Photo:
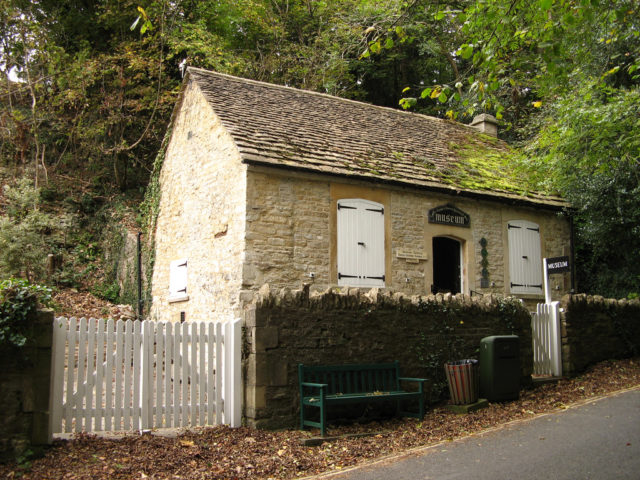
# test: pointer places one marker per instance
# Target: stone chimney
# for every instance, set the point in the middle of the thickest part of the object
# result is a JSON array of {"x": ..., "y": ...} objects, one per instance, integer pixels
[{"x": 486, "y": 124}]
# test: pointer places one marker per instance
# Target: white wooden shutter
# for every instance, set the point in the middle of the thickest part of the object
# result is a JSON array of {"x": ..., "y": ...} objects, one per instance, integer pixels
[
  {"x": 361, "y": 256},
  {"x": 525, "y": 258},
  {"x": 178, "y": 278}
]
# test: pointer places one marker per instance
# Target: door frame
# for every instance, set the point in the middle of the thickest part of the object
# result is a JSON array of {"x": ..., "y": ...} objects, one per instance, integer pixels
[
  {"x": 467, "y": 254},
  {"x": 461, "y": 282}
]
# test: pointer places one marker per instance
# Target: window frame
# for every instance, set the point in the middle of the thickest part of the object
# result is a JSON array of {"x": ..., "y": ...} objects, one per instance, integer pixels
[
  {"x": 178, "y": 280},
  {"x": 360, "y": 243},
  {"x": 524, "y": 241}
]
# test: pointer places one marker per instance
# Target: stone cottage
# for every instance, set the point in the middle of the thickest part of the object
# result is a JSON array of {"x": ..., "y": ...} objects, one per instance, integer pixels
[{"x": 265, "y": 184}]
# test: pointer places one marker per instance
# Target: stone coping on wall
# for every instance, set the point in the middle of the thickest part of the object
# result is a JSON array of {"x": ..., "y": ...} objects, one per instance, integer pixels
[
  {"x": 598, "y": 300},
  {"x": 351, "y": 296}
]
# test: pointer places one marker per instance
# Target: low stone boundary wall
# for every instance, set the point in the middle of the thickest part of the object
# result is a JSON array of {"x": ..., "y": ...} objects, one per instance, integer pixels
[
  {"x": 25, "y": 379},
  {"x": 338, "y": 326},
  {"x": 596, "y": 329}
]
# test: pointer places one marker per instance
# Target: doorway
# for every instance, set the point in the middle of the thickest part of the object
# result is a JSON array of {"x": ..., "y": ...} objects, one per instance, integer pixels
[{"x": 447, "y": 262}]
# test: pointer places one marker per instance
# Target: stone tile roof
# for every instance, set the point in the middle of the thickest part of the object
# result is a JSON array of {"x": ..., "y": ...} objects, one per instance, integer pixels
[{"x": 285, "y": 127}]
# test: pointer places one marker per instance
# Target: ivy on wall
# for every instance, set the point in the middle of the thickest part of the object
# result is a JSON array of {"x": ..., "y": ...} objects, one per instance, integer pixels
[
  {"x": 149, "y": 210},
  {"x": 484, "y": 281}
]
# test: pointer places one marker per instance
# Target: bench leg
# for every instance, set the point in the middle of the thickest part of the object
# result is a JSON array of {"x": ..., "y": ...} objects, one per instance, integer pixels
[
  {"x": 406, "y": 413},
  {"x": 322, "y": 423},
  {"x": 323, "y": 420}
]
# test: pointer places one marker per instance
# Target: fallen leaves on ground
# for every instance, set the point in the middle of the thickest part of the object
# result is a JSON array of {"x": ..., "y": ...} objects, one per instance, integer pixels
[
  {"x": 245, "y": 453},
  {"x": 72, "y": 303}
]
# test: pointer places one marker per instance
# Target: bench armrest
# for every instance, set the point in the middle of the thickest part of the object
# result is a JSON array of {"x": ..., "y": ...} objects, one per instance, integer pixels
[
  {"x": 314, "y": 385},
  {"x": 419, "y": 381},
  {"x": 409, "y": 379}
]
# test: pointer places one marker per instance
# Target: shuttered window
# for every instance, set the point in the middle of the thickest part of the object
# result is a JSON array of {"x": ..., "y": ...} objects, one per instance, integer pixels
[
  {"x": 178, "y": 278},
  {"x": 360, "y": 228},
  {"x": 525, "y": 258}
]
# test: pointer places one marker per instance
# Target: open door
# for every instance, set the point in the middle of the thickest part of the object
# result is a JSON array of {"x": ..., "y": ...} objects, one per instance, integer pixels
[{"x": 447, "y": 265}]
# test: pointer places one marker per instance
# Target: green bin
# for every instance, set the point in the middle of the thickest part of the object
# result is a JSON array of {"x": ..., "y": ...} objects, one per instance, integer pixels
[{"x": 500, "y": 368}]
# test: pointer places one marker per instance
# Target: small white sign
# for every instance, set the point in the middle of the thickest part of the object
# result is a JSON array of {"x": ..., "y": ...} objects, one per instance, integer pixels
[{"x": 411, "y": 256}]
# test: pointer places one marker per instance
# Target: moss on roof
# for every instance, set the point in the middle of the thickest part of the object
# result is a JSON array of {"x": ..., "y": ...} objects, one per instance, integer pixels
[{"x": 479, "y": 166}]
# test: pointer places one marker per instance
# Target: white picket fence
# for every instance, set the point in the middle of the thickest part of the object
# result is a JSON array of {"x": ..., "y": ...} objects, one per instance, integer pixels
[
  {"x": 547, "y": 341},
  {"x": 132, "y": 375}
]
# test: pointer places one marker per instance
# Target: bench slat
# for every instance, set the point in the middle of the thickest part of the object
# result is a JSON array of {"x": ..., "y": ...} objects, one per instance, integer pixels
[{"x": 346, "y": 398}]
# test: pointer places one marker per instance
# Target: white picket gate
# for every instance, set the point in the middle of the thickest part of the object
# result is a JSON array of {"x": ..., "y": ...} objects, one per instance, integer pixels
[
  {"x": 132, "y": 375},
  {"x": 547, "y": 341}
]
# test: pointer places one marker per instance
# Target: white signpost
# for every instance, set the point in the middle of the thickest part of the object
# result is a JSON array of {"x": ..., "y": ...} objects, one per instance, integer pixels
[
  {"x": 547, "y": 341},
  {"x": 551, "y": 266}
]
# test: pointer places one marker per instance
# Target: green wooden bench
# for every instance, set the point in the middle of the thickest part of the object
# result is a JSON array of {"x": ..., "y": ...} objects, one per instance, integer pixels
[{"x": 322, "y": 386}]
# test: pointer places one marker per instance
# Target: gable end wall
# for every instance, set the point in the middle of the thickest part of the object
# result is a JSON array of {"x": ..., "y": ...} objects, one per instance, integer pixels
[{"x": 202, "y": 216}]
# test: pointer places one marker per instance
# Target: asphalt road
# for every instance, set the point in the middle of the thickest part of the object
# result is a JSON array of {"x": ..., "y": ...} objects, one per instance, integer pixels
[{"x": 599, "y": 440}]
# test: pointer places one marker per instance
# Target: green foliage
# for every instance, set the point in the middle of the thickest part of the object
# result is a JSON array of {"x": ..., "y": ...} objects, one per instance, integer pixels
[
  {"x": 19, "y": 301},
  {"x": 26, "y": 233},
  {"x": 107, "y": 291},
  {"x": 532, "y": 50},
  {"x": 514, "y": 57},
  {"x": 149, "y": 210},
  {"x": 409, "y": 55},
  {"x": 90, "y": 90},
  {"x": 590, "y": 152},
  {"x": 110, "y": 245}
]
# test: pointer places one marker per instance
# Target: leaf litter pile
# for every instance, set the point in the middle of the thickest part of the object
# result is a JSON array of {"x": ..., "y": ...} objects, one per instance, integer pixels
[{"x": 245, "y": 453}]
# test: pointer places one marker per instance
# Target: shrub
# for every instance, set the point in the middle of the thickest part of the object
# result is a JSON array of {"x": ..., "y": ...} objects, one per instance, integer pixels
[{"x": 18, "y": 303}]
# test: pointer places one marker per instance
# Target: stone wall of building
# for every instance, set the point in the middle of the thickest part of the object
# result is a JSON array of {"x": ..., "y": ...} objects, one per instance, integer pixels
[
  {"x": 291, "y": 234},
  {"x": 25, "y": 379},
  {"x": 596, "y": 329},
  {"x": 285, "y": 328},
  {"x": 287, "y": 236},
  {"x": 202, "y": 216}
]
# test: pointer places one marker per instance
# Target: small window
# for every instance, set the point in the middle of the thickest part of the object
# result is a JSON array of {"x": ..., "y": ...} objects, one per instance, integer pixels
[
  {"x": 178, "y": 280},
  {"x": 361, "y": 254},
  {"x": 525, "y": 258}
]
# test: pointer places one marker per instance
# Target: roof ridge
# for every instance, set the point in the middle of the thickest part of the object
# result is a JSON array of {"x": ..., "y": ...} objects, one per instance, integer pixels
[{"x": 332, "y": 97}]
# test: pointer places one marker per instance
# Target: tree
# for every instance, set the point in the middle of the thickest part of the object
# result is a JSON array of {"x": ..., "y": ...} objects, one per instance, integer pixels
[
  {"x": 96, "y": 86},
  {"x": 590, "y": 151},
  {"x": 92, "y": 104},
  {"x": 513, "y": 56}
]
